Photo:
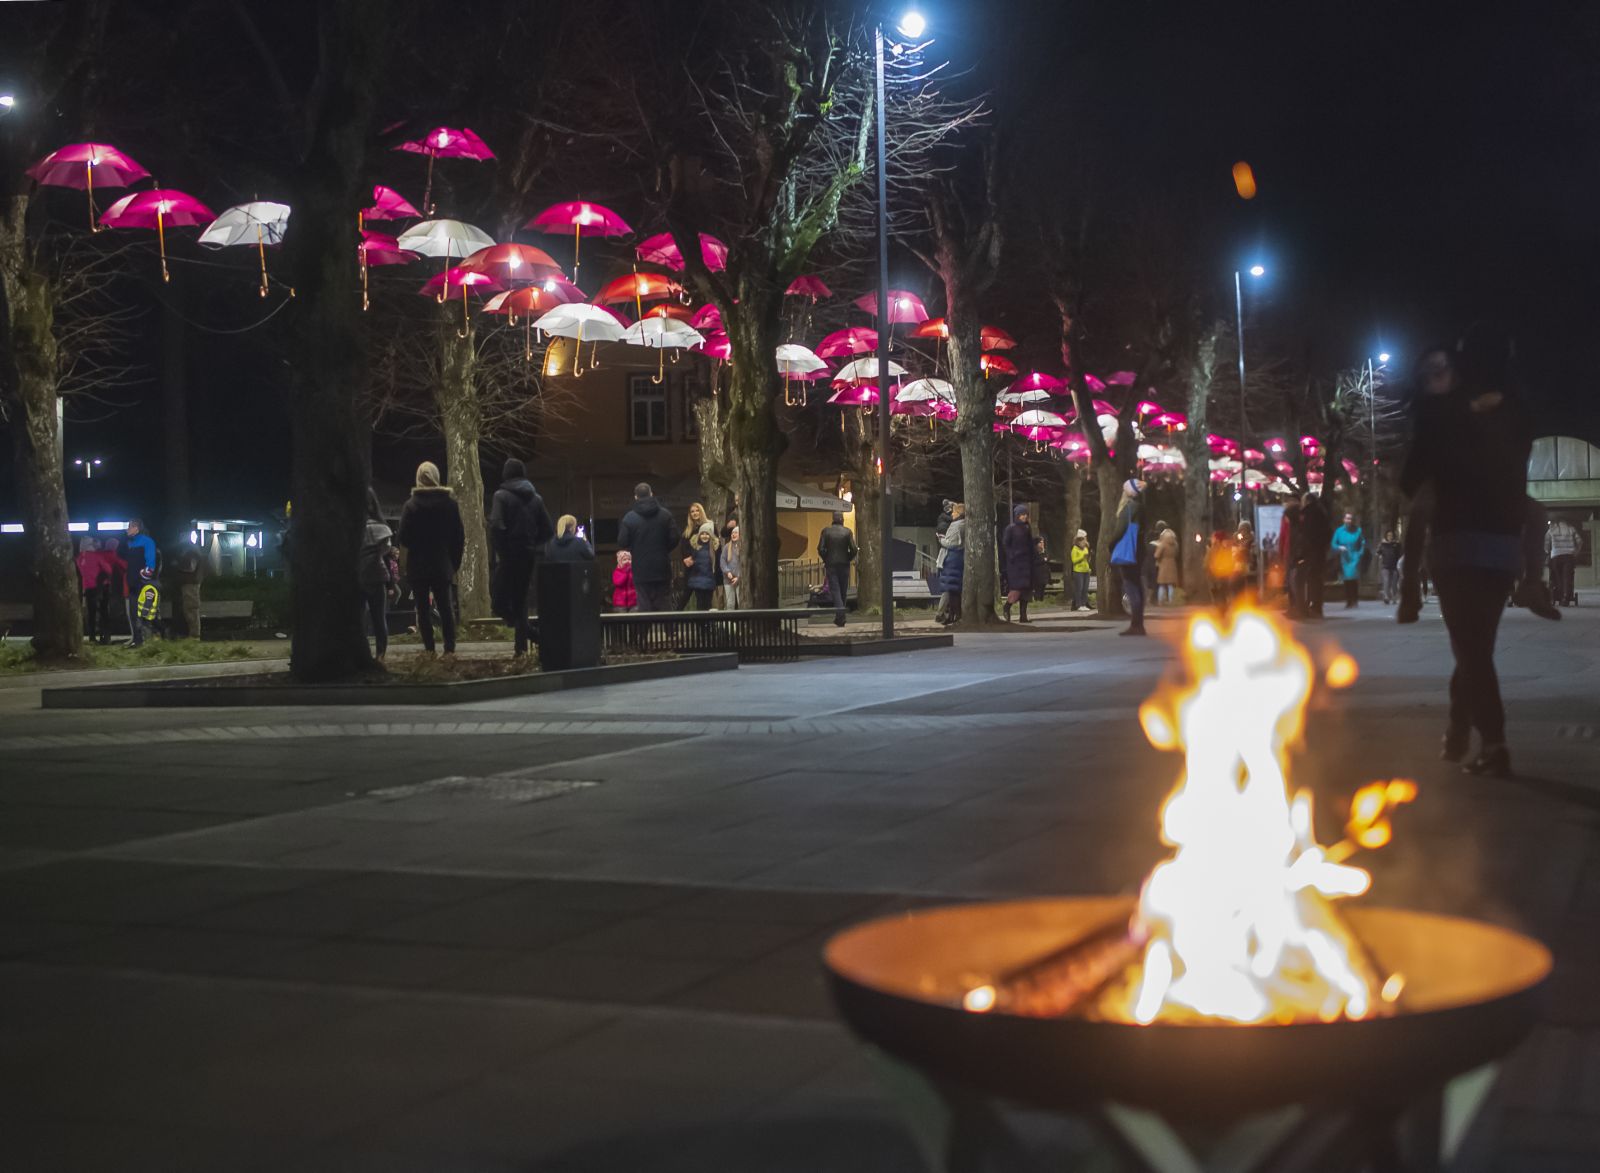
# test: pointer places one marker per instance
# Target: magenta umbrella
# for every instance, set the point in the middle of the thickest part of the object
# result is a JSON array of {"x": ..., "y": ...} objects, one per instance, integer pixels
[
  {"x": 157, "y": 208},
  {"x": 1121, "y": 378},
  {"x": 663, "y": 250},
  {"x": 1096, "y": 386},
  {"x": 851, "y": 340},
  {"x": 856, "y": 395},
  {"x": 904, "y": 306},
  {"x": 446, "y": 283},
  {"x": 1037, "y": 381},
  {"x": 83, "y": 165},
  {"x": 581, "y": 218},
  {"x": 715, "y": 346},
  {"x": 379, "y": 248},
  {"x": 446, "y": 142},
  {"x": 707, "y": 317},
  {"x": 806, "y": 286},
  {"x": 388, "y": 204}
]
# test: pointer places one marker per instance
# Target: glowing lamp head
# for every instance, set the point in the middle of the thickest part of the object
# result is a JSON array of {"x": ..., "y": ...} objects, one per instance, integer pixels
[
  {"x": 1384, "y": 357},
  {"x": 912, "y": 24},
  {"x": 1258, "y": 271},
  {"x": 7, "y": 101}
]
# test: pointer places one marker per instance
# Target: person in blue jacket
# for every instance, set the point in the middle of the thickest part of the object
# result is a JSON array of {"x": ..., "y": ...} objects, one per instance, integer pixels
[{"x": 1349, "y": 543}]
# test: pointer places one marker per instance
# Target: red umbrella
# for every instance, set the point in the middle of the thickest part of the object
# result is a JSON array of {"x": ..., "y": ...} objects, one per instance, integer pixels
[
  {"x": 663, "y": 250},
  {"x": 157, "y": 208},
  {"x": 670, "y": 309},
  {"x": 997, "y": 364},
  {"x": 379, "y": 248},
  {"x": 804, "y": 286},
  {"x": 994, "y": 338},
  {"x": 636, "y": 287},
  {"x": 582, "y": 219},
  {"x": 529, "y": 301},
  {"x": 904, "y": 306},
  {"x": 446, "y": 283},
  {"x": 445, "y": 142},
  {"x": 852, "y": 340},
  {"x": 513, "y": 262},
  {"x": 388, "y": 204},
  {"x": 1037, "y": 381},
  {"x": 85, "y": 164}
]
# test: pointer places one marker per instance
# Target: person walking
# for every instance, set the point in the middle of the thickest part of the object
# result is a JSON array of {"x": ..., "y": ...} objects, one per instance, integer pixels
[
  {"x": 191, "y": 567},
  {"x": 1318, "y": 534},
  {"x": 373, "y": 573},
  {"x": 1016, "y": 562},
  {"x": 1129, "y": 551},
  {"x": 732, "y": 570},
  {"x": 952, "y": 565},
  {"x": 837, "y": 549},
  {"x": 567, "y": 546},
  {"x": 1082, "y": 560},
  {"x": 1470, "y": 443},
  {"x": 90, "y": 568},
  {"x": 1389, "y": 551},
  {"x": 1562, "y": 542},
  {"x": 1349, "y": 544},
  {"x": 624, "y": 596},
  {"x": 434, "y": 539},
  {"x": 700, "y": 575},
  {"x": 649, "y": 535},
  {"x": 1166, "y": 558},
  {"x": 519, "y": 527}
]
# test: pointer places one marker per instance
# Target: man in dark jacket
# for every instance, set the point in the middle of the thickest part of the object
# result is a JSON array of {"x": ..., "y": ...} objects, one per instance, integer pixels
[
  {"x": 1016, "y": 561},
  {"x": 837, "y": 549},
  {"x": 650, "y": 535},
  {"x": 1317, "y": 532},
  {"x": 519, "y": 527}
]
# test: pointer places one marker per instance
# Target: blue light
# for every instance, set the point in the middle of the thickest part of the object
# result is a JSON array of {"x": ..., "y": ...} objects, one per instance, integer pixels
[{"x": 1258, "y": 270}]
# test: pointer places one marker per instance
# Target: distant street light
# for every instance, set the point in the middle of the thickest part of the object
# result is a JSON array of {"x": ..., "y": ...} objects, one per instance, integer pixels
[
  {"x": 88, "y": 466},
  {"x": 1383, "y": 358},
  {"x": 913, "y": 25},
  {"x": 7, "y": 101},
  {"x": 1258, "y": 271}
]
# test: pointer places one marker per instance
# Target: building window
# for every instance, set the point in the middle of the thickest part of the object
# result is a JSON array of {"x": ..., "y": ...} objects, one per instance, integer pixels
[{"x": 647, "y": 410}]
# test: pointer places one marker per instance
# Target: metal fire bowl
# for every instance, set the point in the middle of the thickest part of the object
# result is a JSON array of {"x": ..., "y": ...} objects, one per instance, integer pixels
[{"x": 1472, "y": 993}]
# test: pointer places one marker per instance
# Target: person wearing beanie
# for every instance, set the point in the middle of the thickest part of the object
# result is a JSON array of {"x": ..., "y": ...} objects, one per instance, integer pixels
[
  {"x": 568, "y": 545},
  {"x": 1130, "y": 551},
  {"x": 435, "y": 541},
  {"x": 519, "y": 528},
  {"x": 1082, "y": 568},
  {"x": 1016, "y": 562},
  {"x": 702, "y": 570}
]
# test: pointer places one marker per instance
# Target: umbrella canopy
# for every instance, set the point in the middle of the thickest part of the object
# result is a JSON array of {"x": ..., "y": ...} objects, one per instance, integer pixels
[
  {"x": 449, "y": 142},
  {"x": 1222, "y": 445},
  {"x": 671, "y": 309},
  {"x": 1035, "y": 395},
  {"x": 664, "y": 333},
  {"x": 1121, "y": 378},
  {"x": 989, "y": 337},
  {"x": 527, "y": 300},
  {"x": 260, "y": 223},
  {"x": 637, "y": 287},
  {"x": 794, "y": 359},
  {"x": 853, "y": 340},
  {"x": 388, "y": 204},
  {"x": 861, "y": 395},
  {"x": 663, "y": 250},
  {"x": 581, "y": 320},
  {"x": 904, "y": 306},
  {"x": 1161, "y": 458},
  {"x": 1037, "y": 381},
  {"x": 444, "y": 238},
  {"x": 707, "y": 317},
  {"x": 806, "y": 286},
  {"x": 83, "y": 165},
  {"x": 379, "y": 248},
  {"x": 717, "y": 346},
  {"x": 1038, "y": 418},
  {"x": 1175, "y": 420},
  {"x": 157, "y": 208},
  {"x": 997, "y": 364},
  {"x": 928, "y": 391},
  {"x": 861, "y": 369},
  {"x": 581, "y": 218},
  {"x": 1096, "y": 386},
  {"x": 507, "y": 263},
  {"x": 459, "y": 279}
]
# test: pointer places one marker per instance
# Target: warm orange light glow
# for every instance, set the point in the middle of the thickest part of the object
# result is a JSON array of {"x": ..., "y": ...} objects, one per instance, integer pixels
[
  {"x": 979, "y": 999},
  {"x": 1244, "y": 180},
  {"x": 1342, "y": 671}
]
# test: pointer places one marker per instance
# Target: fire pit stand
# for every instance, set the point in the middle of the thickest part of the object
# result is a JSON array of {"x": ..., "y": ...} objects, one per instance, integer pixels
[{"x": 1394, "y": 1094}]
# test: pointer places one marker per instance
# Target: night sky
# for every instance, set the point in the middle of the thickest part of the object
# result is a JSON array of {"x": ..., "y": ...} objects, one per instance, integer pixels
[{"x": 1418, "y": 171}]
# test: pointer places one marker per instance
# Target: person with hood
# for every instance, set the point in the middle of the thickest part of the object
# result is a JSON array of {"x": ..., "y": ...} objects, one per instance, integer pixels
[
  {"x": 1129, "y": 551},
  {"x": 1165, "y": 551},
  {"x": 431, "y": 532},
  {"x": 1317, "y": 533},
  {"x": 519, "y": 527},
  {"x": 1016, "y": 562},
  {"x": 1082, "y": 568},
  {"x": 649, "y": 534},
  {"x": 1349, "y": 543},
  {"x": 946, "y": 516},
  {"x": 624, "y": 596},
  {"x": 732, "y": 570},
  {"x": 373, "y": 573},
  {"x": 1389, "y": 568},
  {"x": 836, "y": 546},
  {"x": 952, "y": 564},
  {"x": 567, "y": 546},
  {"x": 90, "y": 569},
  {"x": 701, "y": 576}
]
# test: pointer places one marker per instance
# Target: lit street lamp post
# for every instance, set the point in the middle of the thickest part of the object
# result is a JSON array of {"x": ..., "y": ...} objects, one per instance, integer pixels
[
  {"x": 88, "y": 466},
  {"x": 1238, "y": 311}
]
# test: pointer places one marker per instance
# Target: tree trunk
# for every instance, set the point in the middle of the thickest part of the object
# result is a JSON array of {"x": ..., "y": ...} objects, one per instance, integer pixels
[
  {"x": 456, "y": 397},
  {"x": 711, "y": 430},
  {"x": 1108, "y": 599},
  {"x": 28, "y": 369},
  {"x": 1074, "y": 476},
  {"x": 861, "y": 450},
  {"x": 330, "y": 434},
  {"x": 1197, "y": 471},
  {"x": 755, "y": 441},
  {"x": 975, "y": 438}
]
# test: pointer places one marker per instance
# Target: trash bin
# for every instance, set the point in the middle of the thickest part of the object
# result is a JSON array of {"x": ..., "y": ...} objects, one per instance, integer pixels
[{"x": 569, "y": 615}]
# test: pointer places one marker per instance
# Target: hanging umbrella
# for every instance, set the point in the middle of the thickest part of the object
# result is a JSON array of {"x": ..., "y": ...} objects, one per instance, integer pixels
[
  {"x": 1222, "y": 445},
  {"x": 671, "y": 309},
  {"x": 528, "y": 301},
  {"x": 157, "y": 208},
  {"x": 1038, "y": 418},
  {"x": 796, "y": 361},
  {"x": 388, "y": 204},
  {"x": 581, "y": 218},
  {"x": 852, "y": 340},
  {"x": 717, "y": 346},
  {"x": 997, "y": 364},
  {"x": 1276, "y": 445},
  {"x": 1095, "y": 386},
  {"x": 864, "y": 369},
  {"x": 1254, "y": 456},
  {"x": 445, "y": 284},
  {"x": 932, "y": 398},
  {"x": 255, "y": 224},
  {"x": 805, "y": 286},
  {"x": 445, "y": 142},
  {"x": 637, "y": 288},
  {"x": 445, "y": 238},
  {"x": 1310, "y": 445},
  {"x": 707, "y": 317},
  {"x": 1037, "y": 381},
  {"x": 577, "y": 320},
  {"x": 904, "y": 306},
  {"x": 83, "y": 165},
  {"x": 1161, "y": 458},
  {"x": 662, "y": 335},
  {"x": 663, "y": 250},
  {"x": 1121, "y": 378},
  {"x": 857, "y": 395},
  {"x": 379, "y": 248},
  {"x": 509, "y": 263},
  {"x": 1009, "y": 403}
]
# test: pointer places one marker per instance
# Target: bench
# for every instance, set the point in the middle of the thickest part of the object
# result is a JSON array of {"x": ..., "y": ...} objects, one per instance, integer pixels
[{"x": 760, "y": 637}]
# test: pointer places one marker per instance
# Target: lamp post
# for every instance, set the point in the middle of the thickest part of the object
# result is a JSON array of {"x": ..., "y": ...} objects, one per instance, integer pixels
[
  {"x": 911, "y": 25},
  {"x": 88, "y": 465},
  {"x": 1238, "y": 312}
]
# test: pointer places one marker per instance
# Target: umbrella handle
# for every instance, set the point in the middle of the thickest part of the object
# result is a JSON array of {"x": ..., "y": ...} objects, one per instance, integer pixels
[
  {"x": 361, "y": 259},
  {"x": 88, "y": 171},
  {"x": 527, "y": 339},
  {"x": 577, "y": 244},
  {"x": 466, "y": 321},
  {"x": 427, "y": 191},
  {"x": 161, "y": 237},
  {"x": 261, "y": 247},
  {"x": 577, "y": 348},
  {"x": 661, "y": 366}
]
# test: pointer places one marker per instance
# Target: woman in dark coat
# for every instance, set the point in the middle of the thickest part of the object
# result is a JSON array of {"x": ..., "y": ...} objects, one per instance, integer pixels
[
  {"x": 952, "y": 565},
  {"x": 1130, "y": 562},
  {"x": 1016, "y": 561},
  {"x": 434, "y": 540}
]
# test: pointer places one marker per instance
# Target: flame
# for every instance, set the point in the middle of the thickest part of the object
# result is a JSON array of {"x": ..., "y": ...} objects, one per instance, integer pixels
[{"x": 1240, "y": 920}]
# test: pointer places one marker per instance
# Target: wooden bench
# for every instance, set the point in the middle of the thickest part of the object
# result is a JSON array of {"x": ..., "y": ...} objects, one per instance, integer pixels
[{"x": 757, "y": 636}]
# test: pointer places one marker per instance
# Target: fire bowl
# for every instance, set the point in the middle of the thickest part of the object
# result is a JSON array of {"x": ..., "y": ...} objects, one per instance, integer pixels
[{"x": 1472, "y": 993}]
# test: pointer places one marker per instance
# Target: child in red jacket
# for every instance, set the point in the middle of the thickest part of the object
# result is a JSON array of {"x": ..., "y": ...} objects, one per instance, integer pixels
[{"x": 623, "y": 596}]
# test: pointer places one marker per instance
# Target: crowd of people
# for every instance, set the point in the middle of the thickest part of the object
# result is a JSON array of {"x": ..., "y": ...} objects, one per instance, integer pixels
[{"x": 120, "y": 579}]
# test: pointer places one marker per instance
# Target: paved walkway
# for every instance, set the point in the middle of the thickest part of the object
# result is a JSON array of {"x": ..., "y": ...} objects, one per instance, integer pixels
[{"x": 580, "y": 931}]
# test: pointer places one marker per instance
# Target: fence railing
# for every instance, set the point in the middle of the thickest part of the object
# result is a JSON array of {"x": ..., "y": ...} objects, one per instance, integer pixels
[
  {"x": 796, "y": 580},
  {"x": 757, "y": 636}
]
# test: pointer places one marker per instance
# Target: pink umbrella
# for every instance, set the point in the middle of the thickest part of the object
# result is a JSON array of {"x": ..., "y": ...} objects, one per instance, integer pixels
[
  {"x": 1037, "y": 381},
  {"x": 1147, "y": 406},
  {"x": 904, "y": 306},
  {"x": 513, "y": 262},
  {"x": 582, "y": 219},
  {"x": 445, "y": 142},
  {"x": 812, "y": 287},
  {"x": 1254, "y": 456},
  {"x": 388, "y": 204},
  {"x": 446, "y": 283},
  {"x": 1309, "y": 445},
  {"x": 706, "y": 317},
  {"x": 1175, "y": 420},
  {"x": 663, "y": 250},
  {"x": 83, "y": 164},
  {"x": 379, "y": 248},
  {"x": 157, "y": 208},
  {"x": 1285, "y": 468},
  {"x": 857, "y": 395},
  {"x": 1095, "y": 386},
  {"x": 1121, "y": 379},
  {"x": 1276, "y": 445},
  {"x": 851, "y": 340},
  {"x": 529, "y": 301},
  {"x": 1222, "y": 445},
  {"x": 716, "y": 346}
]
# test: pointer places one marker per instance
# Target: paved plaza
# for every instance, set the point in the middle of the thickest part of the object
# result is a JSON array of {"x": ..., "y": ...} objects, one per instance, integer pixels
[{"x": 581, "y": 931}]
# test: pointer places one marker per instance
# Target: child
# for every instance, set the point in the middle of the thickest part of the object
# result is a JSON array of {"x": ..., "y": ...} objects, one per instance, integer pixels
[
  {"x": 147, "y": 606},
  {"x": 623, "y": 596},
  {"x": 1081, "y": 569},
  {"x": 702, "y": 571}
]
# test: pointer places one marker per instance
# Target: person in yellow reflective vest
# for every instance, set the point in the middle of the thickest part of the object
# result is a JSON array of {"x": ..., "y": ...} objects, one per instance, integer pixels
[{"x": 146, "y": 607}]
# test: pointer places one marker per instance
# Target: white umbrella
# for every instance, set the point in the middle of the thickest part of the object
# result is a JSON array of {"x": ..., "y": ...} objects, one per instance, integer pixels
[
  {"x": 794, "y": 359},
  {"x": 445, "y": 238},
  {"x": 923, "y": 390},
  {"x": 860, "y": 369},
  {"x": 1037, "y": 395},
  {"x": 1035, "y": 418},
  {"x": 577, "y": 320},
  {"x": 256, "y": 224},
  {"x": 662, "y": 335},
  {"x": 1161, "y": 454},
  {"x": 1224, "y": 464}
]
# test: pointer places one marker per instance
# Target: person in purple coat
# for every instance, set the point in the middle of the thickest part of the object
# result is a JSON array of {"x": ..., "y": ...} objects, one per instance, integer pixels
[{"x": 1016, "y": 562}]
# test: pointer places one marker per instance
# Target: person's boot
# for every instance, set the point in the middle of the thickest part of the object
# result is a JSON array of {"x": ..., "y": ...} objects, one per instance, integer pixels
[
  {"x": 1006, "y": 611},
  {"x": 1457, "y": 740},
  {"x": 1023, "y": 615},
  {"x": 1410, "y": 603},
  {"x": 1535, "y": 596},
  {"x": 1134, "y": 628},
  {"x": 1493, "y": 761}
]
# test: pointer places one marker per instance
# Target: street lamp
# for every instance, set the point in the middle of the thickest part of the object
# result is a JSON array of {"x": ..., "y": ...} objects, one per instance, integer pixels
[
  {"x": 88, "y": 466},
  {"x": 6, "y": 102},
  {"x": 911, "y": 25},
  {"x": 1238, "y": 310}
]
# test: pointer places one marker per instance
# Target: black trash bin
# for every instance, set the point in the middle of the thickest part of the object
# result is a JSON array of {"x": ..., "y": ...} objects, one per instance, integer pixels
[{"x": 569, "y": 615}]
